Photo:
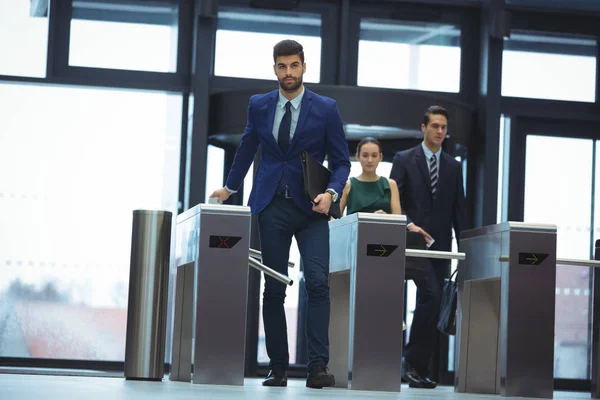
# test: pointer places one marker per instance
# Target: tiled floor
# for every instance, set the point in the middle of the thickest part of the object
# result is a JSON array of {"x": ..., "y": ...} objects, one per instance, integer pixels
[{"x": 29, "y": 387}]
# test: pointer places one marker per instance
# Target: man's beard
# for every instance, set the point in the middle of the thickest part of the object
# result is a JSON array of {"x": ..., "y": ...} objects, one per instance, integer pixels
[{"x": 293, "y": 86}]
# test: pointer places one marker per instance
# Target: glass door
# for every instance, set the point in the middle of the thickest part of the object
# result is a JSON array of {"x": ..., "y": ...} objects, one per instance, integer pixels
[{"x": 558, "y": 182}]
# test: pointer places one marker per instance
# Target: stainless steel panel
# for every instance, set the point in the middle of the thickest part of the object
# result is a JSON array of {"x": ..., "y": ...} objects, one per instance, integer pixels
[
  {"x": 220, "y": 209},
  {"x": 183, "y": 324},
  {"x": 177, "y": 320},
  {"x": 221, "y": 296},
  {"x": 342, "y": 243},
  {"x": 376, "y": 312},
  {"x": 224, "y": 209},
  {"x": 527, "y": 368},
  {"x": 148, "y": 292},
  {"x": 484, "y": 320},
  {"x": 186, "y": 240},
  {"x": 367, "y": 302},
  {"x": 510, "y": 352},
  {"x": 339, "y": 327},
  {"x": 506, "y": 226},
  {"x": 211, "y": 295}
]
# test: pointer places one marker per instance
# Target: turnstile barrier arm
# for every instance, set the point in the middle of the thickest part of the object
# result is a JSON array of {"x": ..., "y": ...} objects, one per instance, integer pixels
[
  {"x": 257, "y": 254},
  {"x": 271, "y": 272},
  {"x": 434, "y": 254}
]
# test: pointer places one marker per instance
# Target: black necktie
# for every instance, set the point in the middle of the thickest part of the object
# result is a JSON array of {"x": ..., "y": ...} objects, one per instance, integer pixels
[
  {"x": 433, "y": 173},
  {"x": 284, "y": 129}
]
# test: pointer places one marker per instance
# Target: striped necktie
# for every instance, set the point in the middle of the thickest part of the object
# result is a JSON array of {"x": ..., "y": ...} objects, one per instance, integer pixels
[{"x": 433, "y": 173}]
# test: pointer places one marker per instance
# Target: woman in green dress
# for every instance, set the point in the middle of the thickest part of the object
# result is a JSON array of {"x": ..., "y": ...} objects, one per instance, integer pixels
[{"x": 370, "y": 192}]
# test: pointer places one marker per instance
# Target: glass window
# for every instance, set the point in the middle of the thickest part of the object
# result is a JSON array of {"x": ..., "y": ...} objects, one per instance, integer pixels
[
  {"x": 70, "y": 179},
  {"x": 137, "y": 36},
  {"x": 573, "y": 179},
  {"x": 549, "y": 67},
  {"x": 215, "y": 161},
  {"x": 23, "y": 38},
  {"x": 245, "y": 40},
  {"x": 409, "y": 55}
]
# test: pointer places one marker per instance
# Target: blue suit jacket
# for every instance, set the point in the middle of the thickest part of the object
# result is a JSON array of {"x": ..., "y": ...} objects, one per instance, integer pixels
[
  {"x": 319, "y": 131},
  {"x": 436, "y": 216}
]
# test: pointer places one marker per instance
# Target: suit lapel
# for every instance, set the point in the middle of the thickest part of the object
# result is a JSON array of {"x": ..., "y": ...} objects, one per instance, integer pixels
[
  {"x": 304, "y": 111},
  {"x": 422, "y": 164}
]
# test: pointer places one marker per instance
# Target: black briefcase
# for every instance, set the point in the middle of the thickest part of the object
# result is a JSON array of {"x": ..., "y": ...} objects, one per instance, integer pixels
[
  {"x": 414, "y": 267},
  {"x": 316, "y": 179},
  {"x": 447, "y": 318}
]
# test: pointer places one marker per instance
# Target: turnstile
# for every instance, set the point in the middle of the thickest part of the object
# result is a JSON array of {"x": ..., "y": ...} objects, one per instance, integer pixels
[
  {"x": 366, "y": 283},
  {"x": 505, "y": 312},
  {"x": 212, "y": 243}
]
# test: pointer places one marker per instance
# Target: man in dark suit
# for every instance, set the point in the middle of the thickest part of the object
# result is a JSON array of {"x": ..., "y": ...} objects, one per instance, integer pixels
[
  {"x": 286, "y": 122},
  {"x": 432, "y": 196}
]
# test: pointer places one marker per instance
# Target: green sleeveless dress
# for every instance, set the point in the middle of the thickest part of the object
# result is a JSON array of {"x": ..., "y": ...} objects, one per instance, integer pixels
[{"x": 369, "y": 196}]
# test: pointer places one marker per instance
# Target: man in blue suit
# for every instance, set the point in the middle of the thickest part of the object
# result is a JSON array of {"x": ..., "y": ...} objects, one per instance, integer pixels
[
  {"x": 432, "y": 196},
  {"x": 286, "y": 122}
]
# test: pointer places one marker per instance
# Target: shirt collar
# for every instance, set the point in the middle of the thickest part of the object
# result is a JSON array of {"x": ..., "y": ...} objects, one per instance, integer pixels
[
  {"x": 295, "y": 101},
  {"x": 429, "y": 153}
]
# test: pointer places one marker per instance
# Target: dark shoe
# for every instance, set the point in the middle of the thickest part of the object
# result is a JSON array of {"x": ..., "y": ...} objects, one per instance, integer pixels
[
  {"x": 427, "y": 383},
  {"x": 319, "y": 377},
  {"x": 277, "y": 377},
  {"x": 416, "y": 380}
]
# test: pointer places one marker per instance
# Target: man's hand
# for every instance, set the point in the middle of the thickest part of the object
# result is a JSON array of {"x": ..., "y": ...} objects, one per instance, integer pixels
[
  {"x": 415, "y": 228},
  {"x": 380, "y": 212},
  {"x": 322, "y": 203},
  {"x": 221, "y": 194}
]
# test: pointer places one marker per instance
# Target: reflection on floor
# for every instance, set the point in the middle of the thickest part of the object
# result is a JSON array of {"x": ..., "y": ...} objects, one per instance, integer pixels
[{"x": 26, "y": 387}]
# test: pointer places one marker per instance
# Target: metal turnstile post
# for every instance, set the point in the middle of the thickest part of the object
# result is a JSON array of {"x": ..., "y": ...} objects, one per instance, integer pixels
[
  {"x": 212, "y": 243},
  {"x": 147, "y": 302},
  {"x": 366, "y": 280},
  {"x": 505, "y": 313}
]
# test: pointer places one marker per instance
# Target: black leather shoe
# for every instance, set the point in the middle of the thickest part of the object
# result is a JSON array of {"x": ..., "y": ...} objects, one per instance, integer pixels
[
  {"x": 427, "y": 383},
  {"x": 319, "y": 377},
  {"x": 416, "y": 380},
  {"x": 277, "y": 377}
]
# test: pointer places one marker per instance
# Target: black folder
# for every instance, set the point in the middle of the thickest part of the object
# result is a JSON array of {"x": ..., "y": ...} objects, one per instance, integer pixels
[{"x": 316, "y": 181}]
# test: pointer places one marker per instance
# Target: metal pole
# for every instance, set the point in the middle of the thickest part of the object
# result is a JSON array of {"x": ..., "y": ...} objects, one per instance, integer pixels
[
  {"x": 147, "y": 303},
  {"x": 434, "y": 254},
  {"x": 272, "y": 273},
  {"x": 257, "y": 254}
]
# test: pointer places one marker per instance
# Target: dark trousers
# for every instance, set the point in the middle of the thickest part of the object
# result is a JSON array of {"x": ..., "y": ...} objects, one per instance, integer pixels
[
  {"x": 277, "y": 223},
  {"x": 423, "y": 332}
]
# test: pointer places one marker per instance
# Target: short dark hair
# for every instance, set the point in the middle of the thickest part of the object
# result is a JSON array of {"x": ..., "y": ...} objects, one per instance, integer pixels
[
  {"x": 434, "y": 110},
  {"x": 288, "y": 48},
  {"x": 366, "y": 140}
]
